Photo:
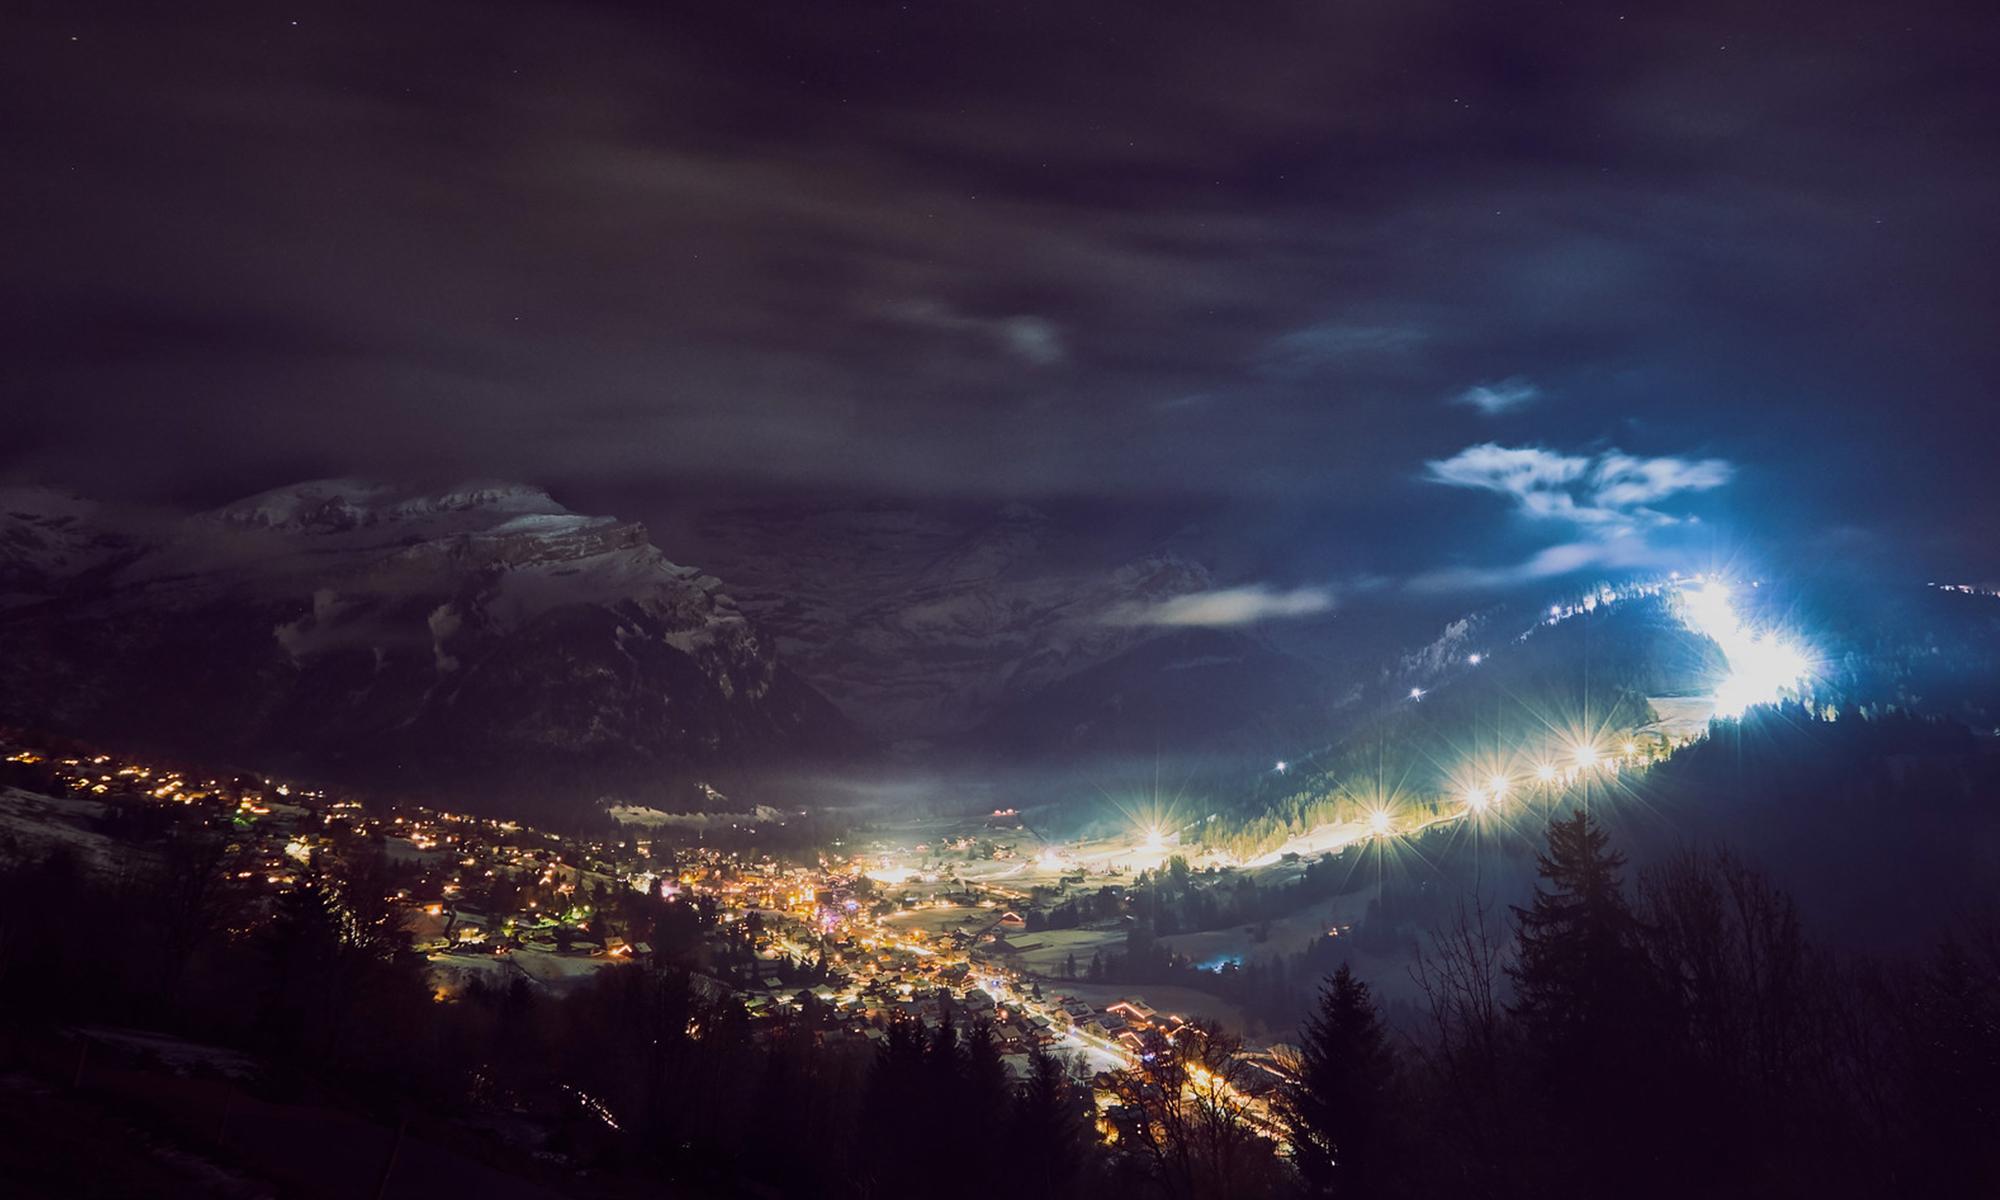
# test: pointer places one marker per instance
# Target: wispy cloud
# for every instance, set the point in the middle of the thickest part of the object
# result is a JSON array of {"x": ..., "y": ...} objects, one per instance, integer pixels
[
  {"x": 1614, "y": 491},
  {"x": 1336, "y": 345},
  {"x": 1227, "y": 607},
  {"x": 1034, "y": 340},
  {"x": 1608, "y": 502},
  {"x": 1549, "y": 563},
  {"x": 1505, "y": 396}
]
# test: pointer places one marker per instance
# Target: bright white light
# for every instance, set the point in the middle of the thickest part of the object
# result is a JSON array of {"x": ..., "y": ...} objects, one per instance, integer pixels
[
  {"x": 1631, "y": 748},
  {"x": 1762, "y": 666},
  {"x": 1586, "y": 756},
  {"x": 1281, "y": 766},
  {"x": 1379, "y": 822},
  {"x": 1555, "y": 610},
  {"x": 1545, "y": 773},
  {"x": 1051, "y": 860},
  {"x": 1155, "y": 840},
  {"x": 1475, "y": 800},
  {"x": 1416, "y": 693},
  {"x": 1474, "y": 659},
  {"x": 1498, "y": 786}
]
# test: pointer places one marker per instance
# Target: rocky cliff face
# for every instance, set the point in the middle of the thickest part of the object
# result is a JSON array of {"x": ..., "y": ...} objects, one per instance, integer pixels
[{"x": 478, "y": 640}]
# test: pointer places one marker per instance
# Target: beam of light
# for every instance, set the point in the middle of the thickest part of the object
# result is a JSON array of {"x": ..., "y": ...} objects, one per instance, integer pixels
[
  {"x": 1546, "y": 772},
  {"x": 1155, "y": 840},
  {"x": 1762, "y": 666},
  {"x": 1476, "y": 800},
  {"x": 1586, "y": 755},
  {"x": 1378, "y": 821},
  {"x": 1497, "y": 784}
]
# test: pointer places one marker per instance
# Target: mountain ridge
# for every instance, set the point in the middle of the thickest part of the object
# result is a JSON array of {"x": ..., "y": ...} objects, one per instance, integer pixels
[{"x": 471, "y": 640}]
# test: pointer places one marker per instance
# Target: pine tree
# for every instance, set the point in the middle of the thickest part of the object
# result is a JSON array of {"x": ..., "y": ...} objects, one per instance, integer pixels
[
  {"x": 984, "y": 1102},
  {"x": 1334, "y": 1105},
  {"x": 1577, "y": 940},
  {"x": 1048, "y": 1131},
  {"x": 1587, "y": 1004},
  {"x": 896, "y": 1092}
]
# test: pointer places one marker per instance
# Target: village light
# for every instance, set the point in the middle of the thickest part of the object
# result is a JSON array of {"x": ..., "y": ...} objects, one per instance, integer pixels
[{"x": 1379, "y": 822}]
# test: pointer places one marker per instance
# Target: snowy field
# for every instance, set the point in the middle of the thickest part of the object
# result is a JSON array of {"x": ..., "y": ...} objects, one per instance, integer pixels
[
  {"x": 546, "y": 968},
  {"x": 1045, "y": 952},
  {"x": 1681, "y": 716},
  {"x": 37, "y": 825},
  {"x": 934, "y": 921},
  {"x": 1288, "y": 934},
  {"x": 1314, "y": 842}
]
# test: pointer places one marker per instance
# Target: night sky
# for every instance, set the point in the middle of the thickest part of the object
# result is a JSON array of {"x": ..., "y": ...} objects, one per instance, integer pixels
[{"x": 1442, "y": 296}]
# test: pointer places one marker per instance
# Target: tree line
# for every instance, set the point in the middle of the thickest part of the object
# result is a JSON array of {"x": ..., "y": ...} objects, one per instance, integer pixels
[{"x": 1675, "y": 1034}]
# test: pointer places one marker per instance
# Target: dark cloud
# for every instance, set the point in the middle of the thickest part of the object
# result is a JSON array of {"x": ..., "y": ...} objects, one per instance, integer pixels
[{"x": 1231, "y": 257}]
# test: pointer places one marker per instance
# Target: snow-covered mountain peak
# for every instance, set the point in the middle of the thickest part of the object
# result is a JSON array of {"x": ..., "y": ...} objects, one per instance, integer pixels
[
  {"x": 461, "y": 635},
  {"x": 48, "y": 536},
  {"x": 343, "y": 505}
]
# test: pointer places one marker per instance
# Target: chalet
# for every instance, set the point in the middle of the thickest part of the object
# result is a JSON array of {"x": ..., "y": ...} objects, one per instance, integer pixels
[{"x": 1134, "y": 1010}]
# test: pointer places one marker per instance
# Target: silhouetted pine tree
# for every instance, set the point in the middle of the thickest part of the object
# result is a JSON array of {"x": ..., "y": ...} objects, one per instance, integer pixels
[
  {"x": 1047, "y": 1132},
  {"x": 894, "y": 1100},
  {"x": 1336, "y": 1105},
  {"x": 1587, "y": 1004}
]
